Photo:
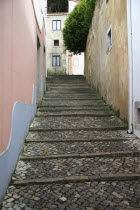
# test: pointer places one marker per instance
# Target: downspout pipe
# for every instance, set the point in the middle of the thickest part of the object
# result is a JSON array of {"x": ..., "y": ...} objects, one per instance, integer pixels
[{"x": 130, "y": 59}]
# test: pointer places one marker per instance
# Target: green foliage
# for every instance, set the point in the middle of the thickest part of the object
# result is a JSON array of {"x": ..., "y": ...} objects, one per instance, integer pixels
[
  {"x": 77, "y": 26},
  {"x": 57, "y": 5}
]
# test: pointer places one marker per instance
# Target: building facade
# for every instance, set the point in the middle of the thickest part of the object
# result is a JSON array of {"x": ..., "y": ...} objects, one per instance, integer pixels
[
  {"x": 60, "y": 60},
  {"x": 56, "y": 52},
  {"x": 111, "y": 59},
  {"x": 22, "y": 80}
]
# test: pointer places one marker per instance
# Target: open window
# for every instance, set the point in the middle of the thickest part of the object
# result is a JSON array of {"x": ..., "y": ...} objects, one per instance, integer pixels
[
  {"x": 109, "y": 39},
  {"x": 56, "y": 43}
]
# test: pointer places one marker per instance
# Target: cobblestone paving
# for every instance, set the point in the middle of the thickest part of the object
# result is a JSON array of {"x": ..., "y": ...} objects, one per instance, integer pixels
[
  {"x": 76, "y": 122},
  {"x": 78, "y": 147},
  {"x": 75, "y": 112},
  {"x": 91, "y": 195},
  {"x": 35, "y": 169},
  {"x": 85, "y": 196},
  {"x": 72, "y": 103},
  {"x": 58, "y": 135}
]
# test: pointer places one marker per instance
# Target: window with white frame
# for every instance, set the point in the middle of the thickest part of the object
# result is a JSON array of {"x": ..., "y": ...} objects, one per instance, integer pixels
[
  {"x": 55, "y": 60},
  {"x": 109, "y": 39},
  {"x": 56, "y": 25}
]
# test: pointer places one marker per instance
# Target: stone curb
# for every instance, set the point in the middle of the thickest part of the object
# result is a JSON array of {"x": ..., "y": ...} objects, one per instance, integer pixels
[
  {"x": 78, "y": 129},
  {"x": 87, "y": 155},
  {"x": 76, "y": 140},
  {"x": 60, "y": 110},
  {"x": 69, "y": 88},
  {"x": 76, "y": 179},
  {"x": 70, "y": 94},
  {"x": 50, "y": 106},
  {"x": 82, "y": 83},
  {"x": 69, "y": 99},
  {"x": 74, "y": 115}
]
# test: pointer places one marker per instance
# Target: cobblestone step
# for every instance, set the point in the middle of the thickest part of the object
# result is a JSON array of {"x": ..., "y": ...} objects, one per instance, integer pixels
[
  {"x": 78, "y": 147},
  {"x": 69, "y": 99},
  {"x": 42, "y": 114},
  {"x": 113, "y": 128},
  {"x": 68, "y": 83},
  {"x": 74, "y": 112},
  {"x": 74, "y": 88},
  {"x": 88, "y": 135},
  {"x": 77, "y": 123},
  {"x": 71, "y": 91},
  {"x": 118, "y": 195},
  {"x": 85, "y": 155},
  {"x": 58, "y": 94},
  {"x": 47, "y": 140},
  {"x": 75, "y": 157},
  {"x": 99, "y": 106},
  {"x": 73, "y": 109},
  {"x": 73, "y": 103},
  {"x": 80, "y": 179},
  {"x": 53, "y": 168}
]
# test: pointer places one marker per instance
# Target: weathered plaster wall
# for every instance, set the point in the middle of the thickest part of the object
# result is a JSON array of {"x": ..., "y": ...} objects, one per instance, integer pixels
[
  {"x": 108, "y": 71},
  {"x": 56, "y": 50},
  {"x": 18, "y": 88}
]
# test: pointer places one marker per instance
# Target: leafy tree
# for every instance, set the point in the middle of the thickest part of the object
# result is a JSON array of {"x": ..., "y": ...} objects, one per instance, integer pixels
[
  {"x": 57, "y": 5},
  {"x": 77, "y": 26}
]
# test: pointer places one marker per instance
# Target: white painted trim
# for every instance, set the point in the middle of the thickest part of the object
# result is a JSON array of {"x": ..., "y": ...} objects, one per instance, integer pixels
[
  {"x": 130, "y": 58},
  {"x": 38, "y": 7},
  {"x": 22, "y": 116}
]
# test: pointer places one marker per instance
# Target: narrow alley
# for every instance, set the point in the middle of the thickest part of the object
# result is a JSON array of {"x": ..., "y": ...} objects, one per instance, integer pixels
[{"x": 77, "y": 154}]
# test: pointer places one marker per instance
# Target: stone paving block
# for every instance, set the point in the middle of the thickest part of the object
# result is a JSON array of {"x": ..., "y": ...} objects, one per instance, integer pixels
[
  {"x": 91, "y": 195},
  {"x": 76, "y": 183},
  {"x": 72, "y": 103},
  {"x": 36, "y": 169},
  {"x": 81, "y": 113},
  {"x": 78, "y": 147},
  {"x": 76, "y": 122},
  {"x": 58, "y": 135}
]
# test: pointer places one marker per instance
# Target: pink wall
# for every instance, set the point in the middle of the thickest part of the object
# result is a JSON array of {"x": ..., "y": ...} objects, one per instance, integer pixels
[{"x": 18, "y": 45}]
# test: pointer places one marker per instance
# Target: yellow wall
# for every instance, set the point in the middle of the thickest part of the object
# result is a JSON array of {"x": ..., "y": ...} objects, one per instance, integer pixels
[{"x": 108, "y": 71}]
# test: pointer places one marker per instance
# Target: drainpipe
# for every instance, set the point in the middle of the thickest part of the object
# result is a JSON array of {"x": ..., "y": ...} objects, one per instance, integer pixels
[{"x": 130, "y": 59}]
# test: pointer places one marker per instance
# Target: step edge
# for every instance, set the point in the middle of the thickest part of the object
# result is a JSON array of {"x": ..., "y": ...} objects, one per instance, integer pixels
[{"x": 76, "y": 179}]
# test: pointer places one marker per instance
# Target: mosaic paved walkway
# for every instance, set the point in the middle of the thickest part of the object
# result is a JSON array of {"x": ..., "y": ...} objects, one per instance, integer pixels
[{"x": 77, "y": 155}]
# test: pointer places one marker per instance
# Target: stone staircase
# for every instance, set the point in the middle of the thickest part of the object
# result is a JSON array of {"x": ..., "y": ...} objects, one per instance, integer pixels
[{"x": 77, "y": 154}]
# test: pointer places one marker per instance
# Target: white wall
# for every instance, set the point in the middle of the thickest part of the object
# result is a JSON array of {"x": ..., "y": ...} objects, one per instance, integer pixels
[
  {"x": 78, "y": 64},
  {"x": 134, "y": 64},
  {"x": 72, "y": 4}
]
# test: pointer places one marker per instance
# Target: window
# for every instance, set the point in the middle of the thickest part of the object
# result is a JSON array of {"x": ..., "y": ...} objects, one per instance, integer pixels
[
  {"x": 109, "y": 39},
  {"x": 56, "y": 25},
  {"x": 56, "y": 42},
  {"x": 56, "y": 60}
]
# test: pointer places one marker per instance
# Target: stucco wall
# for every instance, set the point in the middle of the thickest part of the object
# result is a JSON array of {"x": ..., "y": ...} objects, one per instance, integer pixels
[
  {"x": 56, "y": 50},
  {"x": 18, "y": 80},
  {"x": 108, "y": 71}
]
